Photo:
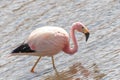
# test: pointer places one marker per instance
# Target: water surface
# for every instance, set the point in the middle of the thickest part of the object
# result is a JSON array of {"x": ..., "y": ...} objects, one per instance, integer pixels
[{"x": 98, "y": 59}]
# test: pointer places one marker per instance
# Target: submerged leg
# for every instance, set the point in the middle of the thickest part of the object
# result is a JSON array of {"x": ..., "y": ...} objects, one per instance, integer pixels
[
  {"x": 55, "y": 68},
  {"x": 32, "y": 69}
]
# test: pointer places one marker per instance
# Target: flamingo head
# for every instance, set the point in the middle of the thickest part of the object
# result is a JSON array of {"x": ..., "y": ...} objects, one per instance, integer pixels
[{"x": 82, "y": 28}]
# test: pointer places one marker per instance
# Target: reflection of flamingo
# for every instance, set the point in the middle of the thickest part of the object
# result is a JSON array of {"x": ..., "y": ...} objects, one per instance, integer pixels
[{"x": 48, "y": 41}]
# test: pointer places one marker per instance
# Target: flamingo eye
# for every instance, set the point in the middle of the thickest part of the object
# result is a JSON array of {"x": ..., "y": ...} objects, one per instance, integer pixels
[{"x": 82, "y": 28}]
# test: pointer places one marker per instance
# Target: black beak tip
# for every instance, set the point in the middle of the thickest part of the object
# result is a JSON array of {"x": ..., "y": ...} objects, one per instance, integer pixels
[{"x": 87, "y": 36}]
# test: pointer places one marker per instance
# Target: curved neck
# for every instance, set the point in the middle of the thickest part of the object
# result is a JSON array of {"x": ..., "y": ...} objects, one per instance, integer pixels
[{"x": 68, "y": 49}]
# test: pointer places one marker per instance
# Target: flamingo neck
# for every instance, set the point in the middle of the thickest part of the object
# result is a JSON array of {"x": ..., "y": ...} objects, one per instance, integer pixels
[{"x": 68, "y": 49}]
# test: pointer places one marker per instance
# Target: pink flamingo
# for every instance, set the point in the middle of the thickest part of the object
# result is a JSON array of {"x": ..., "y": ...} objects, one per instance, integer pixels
[{"x": 48, "y": 41}]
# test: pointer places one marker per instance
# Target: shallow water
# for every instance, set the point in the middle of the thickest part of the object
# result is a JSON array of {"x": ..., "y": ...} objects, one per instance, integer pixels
[{"x": 98, "y": 59}]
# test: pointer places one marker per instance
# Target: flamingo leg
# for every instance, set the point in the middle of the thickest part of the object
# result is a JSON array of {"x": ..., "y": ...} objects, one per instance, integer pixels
[
  {"x": 55, "y": 68},
  {"x": 53, "y": 62},
  {"x": 32, "y": 69}
]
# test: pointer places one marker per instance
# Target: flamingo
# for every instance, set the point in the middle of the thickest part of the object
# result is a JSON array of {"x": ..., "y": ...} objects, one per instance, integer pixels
[{"x": 49, "y": 41}]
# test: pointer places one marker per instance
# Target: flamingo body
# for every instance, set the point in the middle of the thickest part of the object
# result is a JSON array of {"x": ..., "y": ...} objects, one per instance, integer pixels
[{"x": 48, "y": 41}]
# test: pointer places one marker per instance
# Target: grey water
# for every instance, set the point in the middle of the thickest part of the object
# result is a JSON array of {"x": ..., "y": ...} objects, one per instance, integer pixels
[{"x": 98, "y": 59}]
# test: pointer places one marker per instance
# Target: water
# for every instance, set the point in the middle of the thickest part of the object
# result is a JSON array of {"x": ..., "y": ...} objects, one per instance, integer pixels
[{"x": 98, "y": 59}]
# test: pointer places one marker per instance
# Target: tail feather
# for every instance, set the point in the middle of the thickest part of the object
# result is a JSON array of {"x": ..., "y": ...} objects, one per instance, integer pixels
[{"x": 23, "y": 48}]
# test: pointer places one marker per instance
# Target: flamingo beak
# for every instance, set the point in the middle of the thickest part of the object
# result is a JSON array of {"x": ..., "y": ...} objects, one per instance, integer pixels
[
  {"x": 86, "y": 32},
  {"x": 87, "y": 36}
]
